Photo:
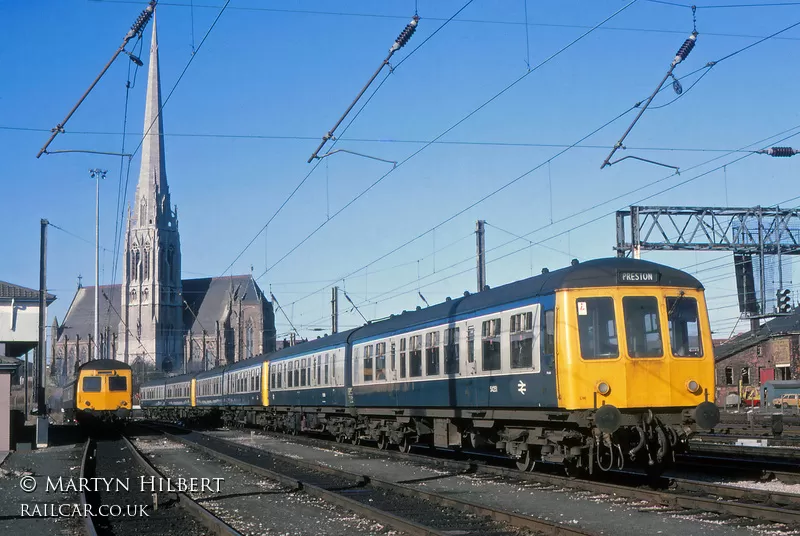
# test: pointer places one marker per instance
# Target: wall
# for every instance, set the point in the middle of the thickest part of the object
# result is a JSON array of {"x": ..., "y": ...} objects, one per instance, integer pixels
[
  {"x": 20, "y": 323},
  {"x": 5, "y": 416},
  {"x": 766, "y": 355}
]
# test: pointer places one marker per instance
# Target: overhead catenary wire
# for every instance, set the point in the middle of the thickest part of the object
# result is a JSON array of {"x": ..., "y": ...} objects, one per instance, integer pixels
[
  {"x": 460, "y": 121},
  {"x": 305, "y": 178},
  {"x": 584, "y": 211},
  {"x": 136, "y": 29}
]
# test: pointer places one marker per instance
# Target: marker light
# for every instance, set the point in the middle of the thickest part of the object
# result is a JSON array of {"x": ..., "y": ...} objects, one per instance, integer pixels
[
  {"x": 692, "y": 386},
  {"x": 603, "y": 388}
]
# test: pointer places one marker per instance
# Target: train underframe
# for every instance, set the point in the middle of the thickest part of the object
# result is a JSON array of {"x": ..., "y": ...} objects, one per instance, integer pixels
[{"x": 584, "y": 442}]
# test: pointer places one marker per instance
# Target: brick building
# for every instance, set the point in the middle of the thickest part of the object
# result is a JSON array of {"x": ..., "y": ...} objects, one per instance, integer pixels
[{"x": 770, "y": 353}]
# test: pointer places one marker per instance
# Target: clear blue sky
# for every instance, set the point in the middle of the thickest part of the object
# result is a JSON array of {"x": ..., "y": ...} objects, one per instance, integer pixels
[{"x": 290, "y": 72}]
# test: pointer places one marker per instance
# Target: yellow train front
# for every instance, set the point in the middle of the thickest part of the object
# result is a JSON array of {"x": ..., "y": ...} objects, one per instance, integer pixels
[
  {"x": 636, "y": 356},
  {"x": 100, "y": 393}
]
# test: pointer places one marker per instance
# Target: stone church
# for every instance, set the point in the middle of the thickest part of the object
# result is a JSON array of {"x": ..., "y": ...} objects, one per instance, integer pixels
[{"x": 155, "y": 321}]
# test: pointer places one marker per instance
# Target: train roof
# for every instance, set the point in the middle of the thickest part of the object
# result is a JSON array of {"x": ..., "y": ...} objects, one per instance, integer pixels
[
  {"x": 104, "y": 364},
  {"x": 594, "y": 273}
]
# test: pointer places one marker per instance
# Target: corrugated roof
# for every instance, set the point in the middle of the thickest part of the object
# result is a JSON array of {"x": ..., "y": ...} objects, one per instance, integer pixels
[{"x": 10, "y": 291}]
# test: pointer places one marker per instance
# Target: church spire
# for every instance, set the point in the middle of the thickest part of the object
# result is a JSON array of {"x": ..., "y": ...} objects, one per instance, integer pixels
[{"x": 152, "y": 194}]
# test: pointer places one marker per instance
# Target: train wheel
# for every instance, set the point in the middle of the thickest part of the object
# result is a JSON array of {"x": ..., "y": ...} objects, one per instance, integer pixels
[
  {"x": 383, "y": 442},
  {"x": 526, "y": 461},
  {"x": 405, "y": 444}
]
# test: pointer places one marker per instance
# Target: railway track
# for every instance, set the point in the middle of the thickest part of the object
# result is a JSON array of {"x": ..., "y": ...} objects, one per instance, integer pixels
[
  {"x": 404, "y": 507},
  {"x": 121, "y": 506},
  {"x": 680, "y": 494}
]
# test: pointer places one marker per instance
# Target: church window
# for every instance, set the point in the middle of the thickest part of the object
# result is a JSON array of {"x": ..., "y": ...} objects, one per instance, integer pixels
[
  {"x": 143, "y": 212},
  {"x": 249, "y": 339},
  {"x": 145, "y": 295},
  {"x": 133, "y": 295},
  {"x": 146, "y": 263}
]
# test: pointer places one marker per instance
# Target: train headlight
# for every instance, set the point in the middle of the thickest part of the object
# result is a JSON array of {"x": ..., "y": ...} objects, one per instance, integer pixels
[
  {"x": 603, "y": 388},
  {"x": 693, "y": 387},
  {"x": 88, "y": 403}
]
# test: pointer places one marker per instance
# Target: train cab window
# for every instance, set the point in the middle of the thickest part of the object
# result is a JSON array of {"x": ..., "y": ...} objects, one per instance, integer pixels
[
  {"x": 491, "y": 344},
  {"x": 597, "y": 328},
  {"x": 117, "y": 383},
  {"x": 380, "y": 361},
  {"x": 403, "y": 357},
  {"x": 368, "y": 349},
  {"x": 91, "y": 384},
  {"x": 684, "y": 327},
  {"x": 415, "y": 356},
  {"x": 549, "y": 332},
  {"x": 432, "y": 353},
  {"x": 642, "y": 327},
  {"x": 451, "y": 344},
  {"x": 521, "y": 334}
]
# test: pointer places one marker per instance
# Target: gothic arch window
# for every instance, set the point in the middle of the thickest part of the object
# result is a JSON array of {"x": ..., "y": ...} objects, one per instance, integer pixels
[
  {"x": 133, "y": 295},
  {"x": 143, "y": 213},
  {"x": 171, "y": 261},
  {"x": 249, "y": 339},
  {"x": 147, "y": 262},
  {"x": 136, "y": 260},
  {"x": 145, "y": 295}
]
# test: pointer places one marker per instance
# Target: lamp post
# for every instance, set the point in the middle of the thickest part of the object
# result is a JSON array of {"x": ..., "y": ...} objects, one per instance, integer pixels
[{"x": 97, "y": 174}]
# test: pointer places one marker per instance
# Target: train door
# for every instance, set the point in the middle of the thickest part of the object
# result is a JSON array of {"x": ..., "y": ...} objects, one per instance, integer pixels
[{"x": 478, "y": 384}]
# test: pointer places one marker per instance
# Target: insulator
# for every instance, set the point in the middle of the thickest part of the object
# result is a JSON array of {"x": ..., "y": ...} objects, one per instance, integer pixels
[
  {"x": 142, "y": 20},
  {"x": 406, "y": 34},
  {"x": 677, "y": 87},
  {"x": 685, "y": 49},
  {"x": 781, "y": 151}
]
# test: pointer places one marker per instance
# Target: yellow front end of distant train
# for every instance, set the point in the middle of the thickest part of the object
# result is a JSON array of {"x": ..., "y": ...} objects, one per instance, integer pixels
[
  {"x": 103, "y": 390},
  {"x": 633, "y": 347}
]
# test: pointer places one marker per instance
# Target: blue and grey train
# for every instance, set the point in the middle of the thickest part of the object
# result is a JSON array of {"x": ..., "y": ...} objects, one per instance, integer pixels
[{"x": 596, "y": 365}]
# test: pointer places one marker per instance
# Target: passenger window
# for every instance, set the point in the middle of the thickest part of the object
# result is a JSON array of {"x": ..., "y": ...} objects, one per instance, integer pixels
[
  {"x": 368, "y": 363},
  {"x": 326, "y": 369},
  {"x": 549, "y": 333},
  {"x": 432, "y": 353},
  {"x": 521, "y": 340},
  {"x": 91, "y": 384},
  {"x": 470, "y": 344},
  {"x": 380, "y": 361},
  {"x": 684, "y": 327},
  {"x": 392, "y": 360},
  {"x": 642, "y": 328},
  {"x": 451, "y": 343},
  {"x": 415, "y": 356},
  {"x": 403, "y": 357},
  {"x": 491, "y": 344},
  {"x": 597, "y": 328}
]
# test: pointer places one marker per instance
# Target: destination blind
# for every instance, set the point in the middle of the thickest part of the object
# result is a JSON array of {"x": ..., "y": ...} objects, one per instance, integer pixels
[{"x": 637, "y": 278}]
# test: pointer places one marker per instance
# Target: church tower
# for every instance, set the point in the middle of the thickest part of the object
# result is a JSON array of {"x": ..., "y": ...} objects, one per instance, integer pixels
[{"x": 151, "y": 331}]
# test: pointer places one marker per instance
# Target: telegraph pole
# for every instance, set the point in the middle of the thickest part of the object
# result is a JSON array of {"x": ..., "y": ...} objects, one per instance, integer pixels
[
  {"x": 334, "y": 310},
  {"x": 41, "y": 414},
  {"x": 480, "y": 246},
  {"x": 97, "y": 174}
]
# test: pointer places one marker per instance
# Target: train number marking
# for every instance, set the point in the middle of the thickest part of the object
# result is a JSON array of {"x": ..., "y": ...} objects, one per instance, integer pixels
[
  {"x": 521, "y": 387},
  {"x": 492, "y": 388}
]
